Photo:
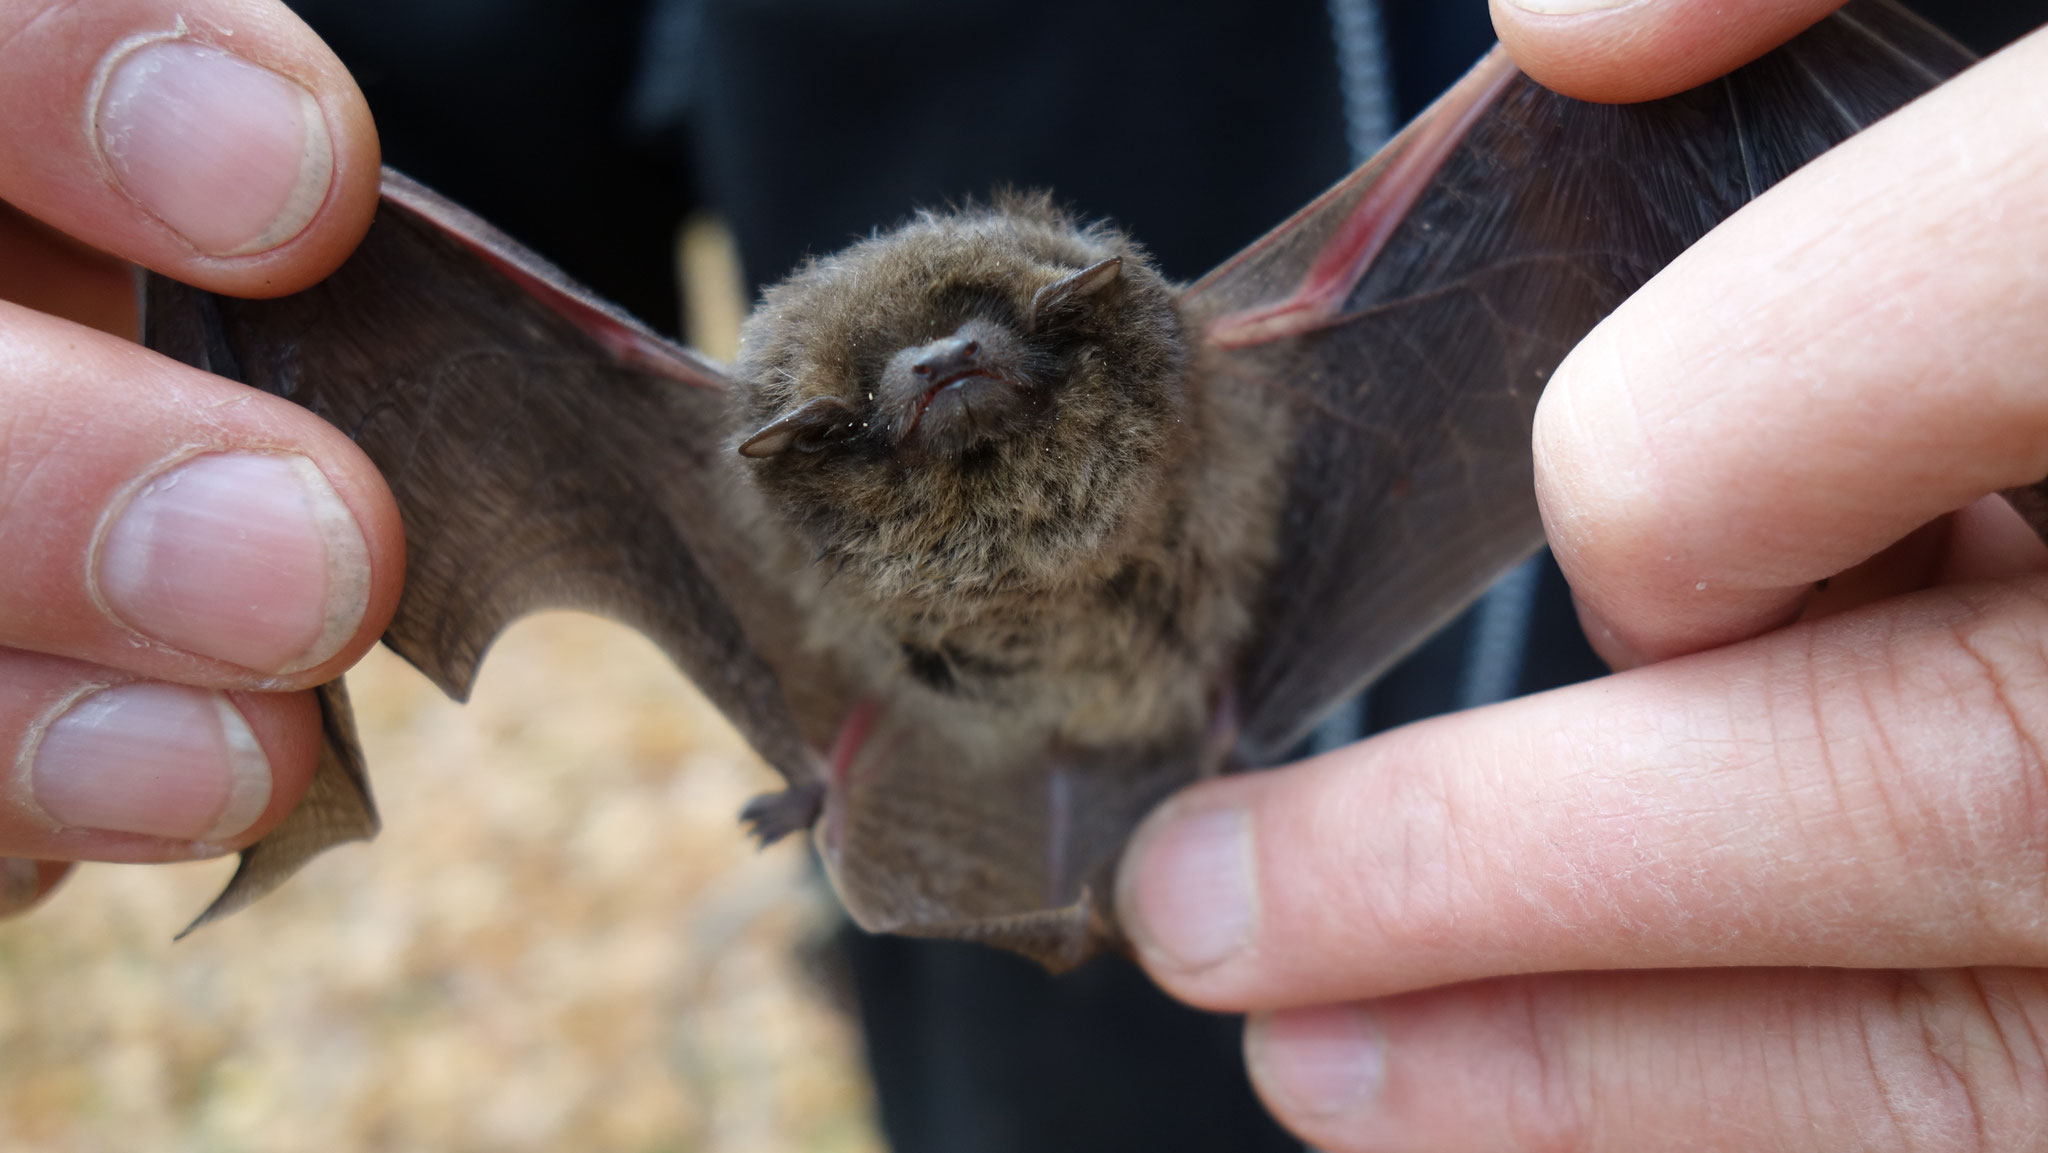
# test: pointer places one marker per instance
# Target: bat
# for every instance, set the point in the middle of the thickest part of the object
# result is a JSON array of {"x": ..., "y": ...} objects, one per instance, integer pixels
[{"x": 991, "y": 537}]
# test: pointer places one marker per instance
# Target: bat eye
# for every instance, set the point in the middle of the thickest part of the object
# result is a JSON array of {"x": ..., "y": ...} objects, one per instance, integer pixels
[{"x": 814, "y": 427}]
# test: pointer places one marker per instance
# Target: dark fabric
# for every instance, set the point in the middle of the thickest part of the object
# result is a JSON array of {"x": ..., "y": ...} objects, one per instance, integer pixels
[
  {"x": 1983, "y": 26},
  {"x": 1196, "y": 125},
  {"x": 1430, "y": 43},
  {"x": 518, "y": 109},
  {"x": 977, "y": 1050}
]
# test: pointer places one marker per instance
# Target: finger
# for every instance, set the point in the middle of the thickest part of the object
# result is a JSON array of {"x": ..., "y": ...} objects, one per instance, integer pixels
[
  {"x": 1988, "y": 539},
  {"x": 219, "y": 142},
  {"x": 168, "y": 522},
  {"x": 1984, "y": 540},
  {"x": 102, "y": 766},
  {"x": 1862, "y": 791},
  {"x": 24, "y": 883},
  {"x": 1788, "y": 1060},
  {"x": 1855, "y": 354},
  {"x": 43, "y": 269},
  {"x": 1616, "y": 51}
]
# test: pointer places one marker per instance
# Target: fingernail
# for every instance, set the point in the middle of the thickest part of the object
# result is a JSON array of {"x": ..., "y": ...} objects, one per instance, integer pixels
[
  {"x": 247, "y": 558},
  {"x": 1319, "y": 1062},
  {"x": 234, "y": 157},
  {"x": 20, "y": 881},
  {"x": 1190, "y": 899},
  {"x": 162, "y": 760},
  {"x": 1568, "y": 7}
]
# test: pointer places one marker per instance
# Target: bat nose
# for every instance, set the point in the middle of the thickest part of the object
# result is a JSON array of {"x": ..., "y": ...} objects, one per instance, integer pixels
[
  {"x": 963, "y": 389},
  {"x": 944, "y": 357}
]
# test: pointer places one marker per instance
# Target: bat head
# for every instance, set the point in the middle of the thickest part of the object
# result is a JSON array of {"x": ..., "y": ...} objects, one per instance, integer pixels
[{"x": 979, "y": 398}]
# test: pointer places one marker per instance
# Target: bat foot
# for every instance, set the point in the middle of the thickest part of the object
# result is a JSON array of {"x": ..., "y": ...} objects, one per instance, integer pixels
[{"x": 773, "y": 816}]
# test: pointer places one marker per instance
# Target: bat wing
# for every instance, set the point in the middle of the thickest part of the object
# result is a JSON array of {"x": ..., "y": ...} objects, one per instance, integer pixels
[
  {"x": 1406, "y": 321},
  {"x": 546, "y": 451},
  {"x": 927, "y": 833},
  {"x": 1405, "y": 324},
  {"x": 1409, "y": 318}
]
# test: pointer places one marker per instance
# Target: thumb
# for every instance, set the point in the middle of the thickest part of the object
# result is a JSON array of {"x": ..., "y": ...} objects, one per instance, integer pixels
[
  {"x": 216, "y": 141},
  {"x": 1616, "y": 51}
]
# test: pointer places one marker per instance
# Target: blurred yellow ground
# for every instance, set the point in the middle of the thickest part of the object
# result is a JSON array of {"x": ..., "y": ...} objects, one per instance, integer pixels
[{"x": 561, "y": 941}]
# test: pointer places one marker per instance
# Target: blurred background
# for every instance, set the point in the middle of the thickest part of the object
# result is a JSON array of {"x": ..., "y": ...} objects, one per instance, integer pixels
[{"x": 561, "y": 940}]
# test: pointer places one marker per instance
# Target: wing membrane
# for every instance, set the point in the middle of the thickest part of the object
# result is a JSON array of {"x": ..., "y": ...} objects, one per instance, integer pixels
[{"x": 1414, "y": 382}]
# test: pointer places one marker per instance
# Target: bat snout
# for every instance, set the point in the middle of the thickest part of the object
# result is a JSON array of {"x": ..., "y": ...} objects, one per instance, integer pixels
[
  {"x": 967, "y": 410},
  {"x": 958, "y": 391},
  {"x": 947, "y": 359}
]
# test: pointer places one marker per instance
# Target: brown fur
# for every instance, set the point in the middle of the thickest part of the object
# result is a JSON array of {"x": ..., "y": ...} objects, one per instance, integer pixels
[{"x": 1084, "y": 575}]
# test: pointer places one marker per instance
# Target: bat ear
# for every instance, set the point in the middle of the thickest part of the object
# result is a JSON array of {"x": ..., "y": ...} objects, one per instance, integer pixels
[
  {"x": 1068, "y": 291},
  {"x": 815, "y": 424}
]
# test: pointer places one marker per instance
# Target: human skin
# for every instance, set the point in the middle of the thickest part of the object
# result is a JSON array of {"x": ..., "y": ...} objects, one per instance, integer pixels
[
  {"x": 185, "y": 556},
  {"x": 1780, "y": 884},
  {"x": 1433, "y": 918}
]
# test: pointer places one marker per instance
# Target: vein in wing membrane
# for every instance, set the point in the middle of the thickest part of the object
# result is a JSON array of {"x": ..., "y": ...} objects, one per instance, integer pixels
[
  {"x": 1542, "y": 220},
  {"x": 534, "y": 466}
]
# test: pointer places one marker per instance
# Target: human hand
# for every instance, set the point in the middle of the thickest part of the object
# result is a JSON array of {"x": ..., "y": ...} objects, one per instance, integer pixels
[
  {"x": 183, "y": 554},
  {"x": 1783, "y": 886}
]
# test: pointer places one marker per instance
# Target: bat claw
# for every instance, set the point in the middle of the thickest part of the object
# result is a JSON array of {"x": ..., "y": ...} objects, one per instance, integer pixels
[{"x": 773, "y": 816}]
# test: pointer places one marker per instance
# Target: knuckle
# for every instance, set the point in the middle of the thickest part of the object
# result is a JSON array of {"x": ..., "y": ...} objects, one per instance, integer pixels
[
  {"x": 1548, "y": 1107},
  {"x": 1409, "y": 892},
  {"x": 1997, "y": 815},
  {"x": 31, "y": 435},
  {"x": 1604, "y": 510},
  {"x": 1956, "y": 1060},
  {"x": 1932, "y": 755}
]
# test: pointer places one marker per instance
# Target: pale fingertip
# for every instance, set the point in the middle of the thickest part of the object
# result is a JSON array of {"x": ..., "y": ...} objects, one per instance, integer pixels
[
  {"x": 1188, "y": 891},
  {"x": 1568, "y": 7},
  {"x": 1317, "y": 1064},
  {"x": 161, "y": 760},
  {"x": 233, "y": 157},
  {"x": 249, "y": 558},
  {"x": 248, "y": 775},
  {"x": 1987, "y": 539},
  {"x": 1613, "y": 52}
]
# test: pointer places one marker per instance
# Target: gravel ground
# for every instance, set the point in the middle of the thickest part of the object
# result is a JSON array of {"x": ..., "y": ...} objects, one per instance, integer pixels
[{"x": 560, "y": 941}]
